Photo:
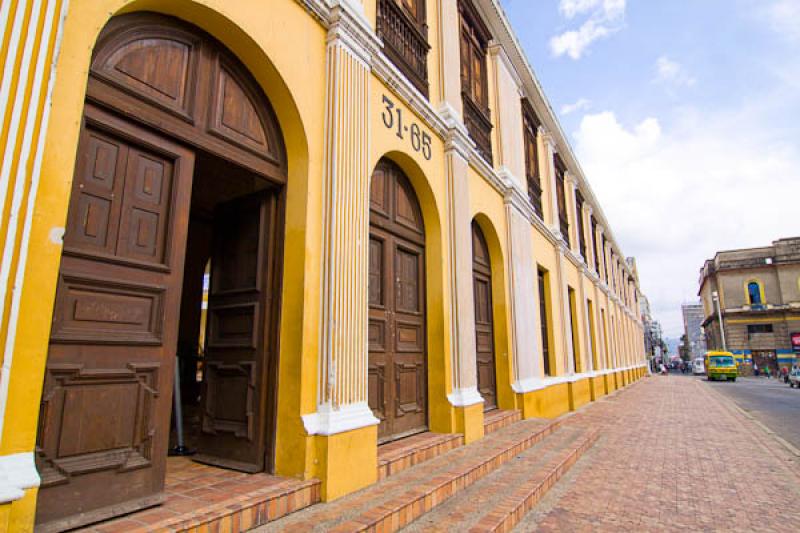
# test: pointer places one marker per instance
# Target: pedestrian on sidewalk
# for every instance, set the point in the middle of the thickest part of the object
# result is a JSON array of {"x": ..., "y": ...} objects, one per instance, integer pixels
[{"x": 755, "y": 369}]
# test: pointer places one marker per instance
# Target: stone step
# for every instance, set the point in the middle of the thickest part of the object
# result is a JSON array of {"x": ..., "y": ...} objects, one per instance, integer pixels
[
  {"x": 501, "y": 499},
  {"x": 400, "y": 499},
  {"x": 499, "y": 419}
]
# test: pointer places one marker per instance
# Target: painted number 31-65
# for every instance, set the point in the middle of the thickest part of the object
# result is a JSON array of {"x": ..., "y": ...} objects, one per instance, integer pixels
[{"x": 393, "y": 119}]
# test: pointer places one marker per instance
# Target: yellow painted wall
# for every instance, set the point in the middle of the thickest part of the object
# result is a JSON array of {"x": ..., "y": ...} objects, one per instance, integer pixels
[{"x": 293, "y": 79}]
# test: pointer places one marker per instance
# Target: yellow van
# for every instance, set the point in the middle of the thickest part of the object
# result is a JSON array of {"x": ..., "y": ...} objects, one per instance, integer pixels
[{"x": 721, "y": 365}]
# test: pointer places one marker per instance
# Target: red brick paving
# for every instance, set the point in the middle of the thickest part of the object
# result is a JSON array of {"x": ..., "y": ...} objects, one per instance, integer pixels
[
  {"x": 209, "y": 498},
  {"x": 673, "y": 456}
]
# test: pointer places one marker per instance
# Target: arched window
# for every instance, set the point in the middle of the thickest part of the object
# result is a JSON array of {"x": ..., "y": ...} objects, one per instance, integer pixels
[{"x": 754, "y": 293}]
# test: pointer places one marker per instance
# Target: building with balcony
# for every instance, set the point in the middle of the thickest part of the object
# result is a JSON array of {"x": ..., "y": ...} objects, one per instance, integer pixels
[
  {"x": 398, "y": 238},
  {"x": 759, "y": 297}
]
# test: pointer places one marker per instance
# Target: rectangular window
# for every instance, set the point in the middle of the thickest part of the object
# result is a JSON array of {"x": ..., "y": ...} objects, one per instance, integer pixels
[
  {"x": 402, "y": 26},
  {"x": 563, "y": 222},
  {"x": 592, "y": 334},
  {"x": 605, "y": 338},
  {"x": 544, "y": 319},
  {"x": 530, "y": 132},
  {"x": 594, "y": 246},
  {"x": 605, "y": 263},
  {"x": 474, "y": 84},
  {"x": 752, "y": 329},
  {"x": 573, "y": 326},
  {"x": 579, "y": 219}
]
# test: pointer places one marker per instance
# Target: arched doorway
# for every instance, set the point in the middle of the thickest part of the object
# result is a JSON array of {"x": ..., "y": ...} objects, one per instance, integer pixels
[
  {"x": 180, "y": 173},
  {"x": 484, "y": 330},
  {"x": 397, "y": 318}
]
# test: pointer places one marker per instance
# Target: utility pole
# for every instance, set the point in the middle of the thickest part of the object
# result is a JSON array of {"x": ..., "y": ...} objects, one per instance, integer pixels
[{"x": 715, "y": 297}]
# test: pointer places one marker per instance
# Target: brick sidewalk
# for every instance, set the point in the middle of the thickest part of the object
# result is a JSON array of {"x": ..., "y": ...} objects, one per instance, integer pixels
[{"x": 673, "y": 457}]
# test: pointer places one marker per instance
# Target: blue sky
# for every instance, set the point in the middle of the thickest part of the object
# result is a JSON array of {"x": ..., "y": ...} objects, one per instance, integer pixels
[{"x": 684, "y": 115}]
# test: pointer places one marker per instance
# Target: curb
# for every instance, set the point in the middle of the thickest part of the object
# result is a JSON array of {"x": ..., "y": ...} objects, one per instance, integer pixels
[{"x": 780, "y": 440}]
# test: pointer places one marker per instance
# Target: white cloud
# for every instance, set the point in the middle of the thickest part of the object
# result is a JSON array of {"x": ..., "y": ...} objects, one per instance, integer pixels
[
  {"x": 672, "y": 72},
  {"x": 610, "y": 8},
  {"x": 783, "y": 16},
  {"x": 604, "y": 20},
  {"x": 675, "y": 197},
  {"x": 580, "y": 105}
]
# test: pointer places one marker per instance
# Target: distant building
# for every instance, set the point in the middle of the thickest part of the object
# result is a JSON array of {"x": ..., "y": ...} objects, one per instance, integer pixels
[
  {"x": 759, "y": 296},
  {"x": 693, "y": 316}
]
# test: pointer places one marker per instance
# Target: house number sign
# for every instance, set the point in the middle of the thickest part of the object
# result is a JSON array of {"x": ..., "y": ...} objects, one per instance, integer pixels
[{"x": 393, "y": 119}]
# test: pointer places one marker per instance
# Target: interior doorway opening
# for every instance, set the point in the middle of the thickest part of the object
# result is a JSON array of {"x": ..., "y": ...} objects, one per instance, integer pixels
[{"x": 227, "y": 263}]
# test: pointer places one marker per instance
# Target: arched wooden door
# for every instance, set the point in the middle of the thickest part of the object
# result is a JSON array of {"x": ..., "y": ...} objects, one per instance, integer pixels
[
  {"x": 484, "y": 331},
  {"x": 164, "y": 101},
  {"x": 397, "y": 340}
]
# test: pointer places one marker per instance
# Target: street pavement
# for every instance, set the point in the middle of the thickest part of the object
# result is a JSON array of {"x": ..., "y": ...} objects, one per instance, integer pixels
[
  {"x": 770, "y": 401},
  {"x": 674, "y": 455}
]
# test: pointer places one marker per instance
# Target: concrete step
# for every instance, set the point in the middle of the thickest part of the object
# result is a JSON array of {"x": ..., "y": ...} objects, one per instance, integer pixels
[
  {"x": 402, "y": 498},
  {"x": 501, "y": 499}
]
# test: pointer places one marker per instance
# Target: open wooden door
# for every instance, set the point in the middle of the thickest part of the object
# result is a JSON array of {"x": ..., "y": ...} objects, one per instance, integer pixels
[
  {"x": 105, "y": 411},
  {"x": 239, "y": 338}
]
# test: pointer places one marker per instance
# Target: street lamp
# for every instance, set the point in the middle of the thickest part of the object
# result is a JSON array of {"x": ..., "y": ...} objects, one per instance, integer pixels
[{"x": 715, "y": 297}]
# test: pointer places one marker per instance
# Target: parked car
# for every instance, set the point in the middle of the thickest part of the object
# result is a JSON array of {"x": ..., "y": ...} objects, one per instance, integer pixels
[{"x": 794, "y": 378}]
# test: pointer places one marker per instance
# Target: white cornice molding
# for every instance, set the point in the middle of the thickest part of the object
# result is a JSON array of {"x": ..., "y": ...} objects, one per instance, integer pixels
[
  {"x": 465, "y": 397},
  {"x": 330, "y": 421},
  {"x": 17, "y": 473}
]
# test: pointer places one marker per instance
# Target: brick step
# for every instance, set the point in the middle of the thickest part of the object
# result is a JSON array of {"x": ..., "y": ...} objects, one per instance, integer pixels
[
  {"x": 499, "y": 419},
  {"x": 214, "y": 499},
  {"x": 399, "y": 499},
  {"x": 500, "y": 500},
  {"x": 402, "y": 454}
]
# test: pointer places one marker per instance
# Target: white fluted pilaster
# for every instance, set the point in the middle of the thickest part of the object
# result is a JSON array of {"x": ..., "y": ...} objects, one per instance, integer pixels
[{"x": 342, "y": 394}]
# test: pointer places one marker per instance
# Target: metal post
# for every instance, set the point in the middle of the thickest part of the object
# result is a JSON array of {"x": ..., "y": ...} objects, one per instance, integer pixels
[
  {"x": 715, "y": 297},
  {"x": 180, "y": 449}
]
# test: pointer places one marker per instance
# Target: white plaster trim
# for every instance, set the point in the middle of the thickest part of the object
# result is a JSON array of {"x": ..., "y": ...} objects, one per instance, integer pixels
[
  {"x": 465, "y": 397},
  {"x": 330, "y": 421},
  {"x": 5, "y": 372},
  {"x": 534, "y": 384},
  {"x": 17, "y": 473}
]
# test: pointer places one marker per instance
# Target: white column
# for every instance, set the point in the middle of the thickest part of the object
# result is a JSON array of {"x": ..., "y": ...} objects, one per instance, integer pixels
[
  {"x": 462, "y": 310},
  {"x": 449, "y": 60},
  {"x": 525, "y": 320},
  {"x": 342, "y": 393}
]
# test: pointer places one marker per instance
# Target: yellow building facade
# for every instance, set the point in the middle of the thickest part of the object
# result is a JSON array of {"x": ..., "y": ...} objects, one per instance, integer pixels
[{"x": 424, "y": 243}]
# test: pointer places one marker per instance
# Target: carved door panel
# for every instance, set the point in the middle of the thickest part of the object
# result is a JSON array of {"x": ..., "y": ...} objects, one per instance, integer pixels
[
  {"x": 484, "y": 331},
  {"x": 236, "y": 383},
  {"x": 105, "y": 411},
  {"x": 397, "y": 340}
]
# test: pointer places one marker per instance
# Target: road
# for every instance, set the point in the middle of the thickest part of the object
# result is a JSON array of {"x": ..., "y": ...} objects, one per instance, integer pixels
[{"x": 770, "y": 401}]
